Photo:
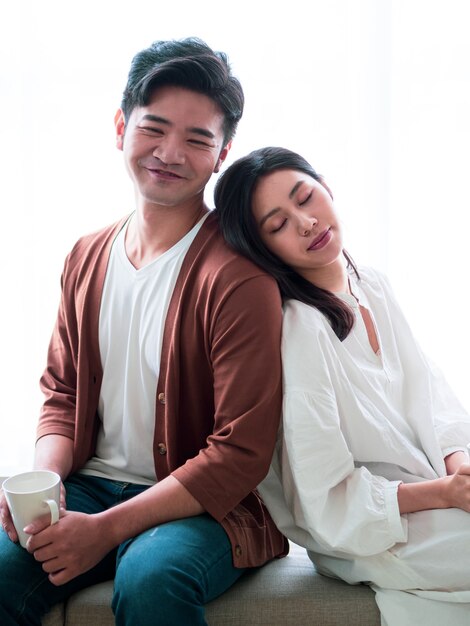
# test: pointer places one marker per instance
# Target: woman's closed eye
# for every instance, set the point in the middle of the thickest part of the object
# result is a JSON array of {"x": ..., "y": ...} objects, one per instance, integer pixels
[
  {"x": 278, "y": 227},
  {"x": 306, "y": 199}
]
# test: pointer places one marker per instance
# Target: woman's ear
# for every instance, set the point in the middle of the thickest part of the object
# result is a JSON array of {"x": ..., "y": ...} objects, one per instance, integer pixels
[{"x": 323, "y": 184}]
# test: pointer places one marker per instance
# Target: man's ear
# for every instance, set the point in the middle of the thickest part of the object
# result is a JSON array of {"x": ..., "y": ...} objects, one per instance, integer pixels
[
  {"x": 120, "y": 126},
  {"x": 222, "y": 157}
]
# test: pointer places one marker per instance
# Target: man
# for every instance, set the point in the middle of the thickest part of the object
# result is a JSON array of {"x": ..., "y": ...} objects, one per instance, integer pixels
[{"x": 162, "y": 387}]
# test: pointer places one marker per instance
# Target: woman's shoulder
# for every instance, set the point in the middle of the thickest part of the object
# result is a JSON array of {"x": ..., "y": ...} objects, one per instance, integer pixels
[
  {"x": 298, "y": 314},
  {"x": 304, "y": 325},
  {"x": 372, "y": 280},
  {"x": 370, "y": 274},
  {"x": 309, "y": 347}
]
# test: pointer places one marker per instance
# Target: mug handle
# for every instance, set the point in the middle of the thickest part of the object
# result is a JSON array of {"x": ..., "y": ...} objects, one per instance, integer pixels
[{"x": 54, "y": 509}]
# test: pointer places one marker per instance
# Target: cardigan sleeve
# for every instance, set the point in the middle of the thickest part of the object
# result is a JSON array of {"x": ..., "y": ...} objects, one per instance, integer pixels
[
  {"x": 245, "y": 334},
  {"x": 314, "y": 489},
  {"x": 72, "y": 378},
  {"x": 59, "y": 380}
]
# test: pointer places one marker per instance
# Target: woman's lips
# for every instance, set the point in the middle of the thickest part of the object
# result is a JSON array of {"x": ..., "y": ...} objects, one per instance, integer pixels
[{"x": 321, "y": 241}]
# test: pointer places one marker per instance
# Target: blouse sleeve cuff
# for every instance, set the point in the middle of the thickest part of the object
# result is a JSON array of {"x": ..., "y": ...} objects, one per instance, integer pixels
[
  {"x": 398, "y": 523},
  {"x": 452, "y": 449}
]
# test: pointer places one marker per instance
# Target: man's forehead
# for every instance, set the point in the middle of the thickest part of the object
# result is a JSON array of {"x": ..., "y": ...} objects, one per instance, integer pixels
[
  {"x": 177, "y": 94},
  {"x": 170, "y": 103}
]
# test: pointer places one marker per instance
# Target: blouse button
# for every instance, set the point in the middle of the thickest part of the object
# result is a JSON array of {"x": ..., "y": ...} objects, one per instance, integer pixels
[
  {"x": 161, "y": 398},
  {"x": 162, "y": 449}
]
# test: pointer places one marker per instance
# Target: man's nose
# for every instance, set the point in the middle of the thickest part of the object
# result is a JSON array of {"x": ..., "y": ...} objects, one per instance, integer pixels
[{"x": 170, "y": 151}]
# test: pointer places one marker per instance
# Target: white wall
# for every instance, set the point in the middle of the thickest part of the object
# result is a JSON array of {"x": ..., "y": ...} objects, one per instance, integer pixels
[{"x": 374, "y": 92}]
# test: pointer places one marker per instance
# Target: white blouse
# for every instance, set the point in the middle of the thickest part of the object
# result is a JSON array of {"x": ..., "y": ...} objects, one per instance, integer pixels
[{"x": 356, "y": 424}]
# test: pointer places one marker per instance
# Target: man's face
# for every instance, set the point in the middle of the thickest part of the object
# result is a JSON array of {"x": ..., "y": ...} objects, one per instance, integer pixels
[{"x": 172, "y": 146}]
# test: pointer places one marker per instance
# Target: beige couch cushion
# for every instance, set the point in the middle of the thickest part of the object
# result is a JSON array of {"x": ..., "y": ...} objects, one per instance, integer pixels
[{"x": 286, "y": 592}]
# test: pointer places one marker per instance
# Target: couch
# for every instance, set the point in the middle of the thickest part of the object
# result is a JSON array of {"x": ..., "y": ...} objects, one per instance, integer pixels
[{"x": 286, "y": 592}]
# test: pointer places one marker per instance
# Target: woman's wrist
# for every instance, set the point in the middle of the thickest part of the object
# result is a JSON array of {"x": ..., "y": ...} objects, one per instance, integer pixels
[{"x": 422, "y": 496}]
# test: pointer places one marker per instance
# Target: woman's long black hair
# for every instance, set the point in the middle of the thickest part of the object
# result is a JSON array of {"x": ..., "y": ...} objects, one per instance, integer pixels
[{"x": 233, "y": 196}]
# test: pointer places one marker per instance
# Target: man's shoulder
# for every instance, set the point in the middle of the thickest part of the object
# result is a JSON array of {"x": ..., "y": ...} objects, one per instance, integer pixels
[
  {"x": 98, "y": 237},
  {"x": 90, "y": 249},
  {"x": 212, "y": 251}
]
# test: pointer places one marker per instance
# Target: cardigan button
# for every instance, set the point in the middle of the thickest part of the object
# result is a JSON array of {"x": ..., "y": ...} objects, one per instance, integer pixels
[
  {"x": 161, "y": 398},
  {"x": 238, "y": 550},
  {"x": 161, "y": 449}
]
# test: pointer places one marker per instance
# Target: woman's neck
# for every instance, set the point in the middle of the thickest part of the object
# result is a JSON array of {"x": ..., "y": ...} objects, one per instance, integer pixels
[{"x": 332, "y": 277}]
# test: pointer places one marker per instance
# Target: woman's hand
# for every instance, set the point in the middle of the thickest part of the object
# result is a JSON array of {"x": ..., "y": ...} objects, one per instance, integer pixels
[{"x": 458, "y": 488}]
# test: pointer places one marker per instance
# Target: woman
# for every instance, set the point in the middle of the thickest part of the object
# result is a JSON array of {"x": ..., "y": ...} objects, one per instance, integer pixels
[{"x": 371, "y": 472}]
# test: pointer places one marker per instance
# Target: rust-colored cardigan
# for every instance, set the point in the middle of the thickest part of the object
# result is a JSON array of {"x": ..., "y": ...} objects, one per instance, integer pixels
[{"x": 219, "y": 389}]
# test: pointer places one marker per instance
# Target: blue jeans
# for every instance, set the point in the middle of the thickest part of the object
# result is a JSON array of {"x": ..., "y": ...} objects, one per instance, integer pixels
[{"x": 163, "y": 577}]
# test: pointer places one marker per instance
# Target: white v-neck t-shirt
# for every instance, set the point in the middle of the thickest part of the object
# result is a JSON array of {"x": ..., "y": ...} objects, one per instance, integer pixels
[{"x": 132, "y": 316}]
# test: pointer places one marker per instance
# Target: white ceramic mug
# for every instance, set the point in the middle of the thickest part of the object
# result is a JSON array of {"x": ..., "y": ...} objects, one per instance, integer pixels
[{"x": 30, "y": 495}]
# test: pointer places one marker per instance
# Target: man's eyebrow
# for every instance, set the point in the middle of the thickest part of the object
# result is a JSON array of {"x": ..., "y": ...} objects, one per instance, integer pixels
[
  {"x": 155, "y": 118},
  {"x": 193, "y": 129},
  {"x": 202, "y": 131}
]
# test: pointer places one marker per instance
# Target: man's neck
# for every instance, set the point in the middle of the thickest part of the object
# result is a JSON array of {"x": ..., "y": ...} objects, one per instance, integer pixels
[{"x": 154, "y": 230}]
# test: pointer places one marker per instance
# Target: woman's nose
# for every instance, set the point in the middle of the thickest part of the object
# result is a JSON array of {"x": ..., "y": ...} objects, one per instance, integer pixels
[{"x": 306, "y": 225}]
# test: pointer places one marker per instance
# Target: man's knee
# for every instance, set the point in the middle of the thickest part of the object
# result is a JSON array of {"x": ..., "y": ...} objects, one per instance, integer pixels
[
  {"x": 156, "y": 591},
  {"x": 172, "y": 571},
  {"x": 146, "y": 567}
]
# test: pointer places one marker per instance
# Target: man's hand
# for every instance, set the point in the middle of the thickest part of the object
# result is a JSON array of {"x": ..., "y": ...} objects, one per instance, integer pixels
[
  {"x": 80, "y": 541},
  {"x": 71, "y": 547},
  {"x": 5, "y": 517}
]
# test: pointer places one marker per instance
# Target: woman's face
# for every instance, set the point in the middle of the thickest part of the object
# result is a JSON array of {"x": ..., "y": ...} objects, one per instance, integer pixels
[{"x": 297, "y": 221}]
